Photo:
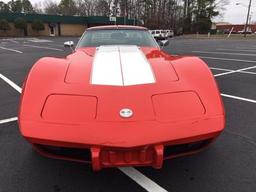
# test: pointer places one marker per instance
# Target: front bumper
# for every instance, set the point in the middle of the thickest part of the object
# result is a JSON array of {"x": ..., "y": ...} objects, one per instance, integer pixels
[
  {"x": 114, "y": 144},
  {"x": 111, "y": 157}
]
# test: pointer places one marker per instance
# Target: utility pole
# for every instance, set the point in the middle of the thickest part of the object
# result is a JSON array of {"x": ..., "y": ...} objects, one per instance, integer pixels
[{"x": 247, "y": 18}]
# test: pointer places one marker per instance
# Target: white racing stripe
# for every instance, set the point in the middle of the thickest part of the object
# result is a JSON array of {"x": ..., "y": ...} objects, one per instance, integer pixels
[
  {"x": 106, "y": 67},
  {"x": 8, "y": 120},
  {"x": 142, "y": 180},
  {"x": 239, "y": 98},
  {"x": 13, "y": 50},
  {"x": 8, "y": 81},
  {"x": 135, "y": 67},
  {"x": 121, "y": 66},
  {"x": 41, "y": 47}
]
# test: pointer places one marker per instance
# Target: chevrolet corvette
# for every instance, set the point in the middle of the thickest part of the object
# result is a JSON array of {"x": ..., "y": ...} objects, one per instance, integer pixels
[{"x": 120, "y": 100}]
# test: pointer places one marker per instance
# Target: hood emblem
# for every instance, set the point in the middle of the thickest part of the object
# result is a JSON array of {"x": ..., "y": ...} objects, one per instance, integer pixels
[{"x": 126, "y": 113}]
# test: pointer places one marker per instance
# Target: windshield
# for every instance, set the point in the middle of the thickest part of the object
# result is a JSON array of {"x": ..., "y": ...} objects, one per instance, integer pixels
[{"x": 96, "y": 38}]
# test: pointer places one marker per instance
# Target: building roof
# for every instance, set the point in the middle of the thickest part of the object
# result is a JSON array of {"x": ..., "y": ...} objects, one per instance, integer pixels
[
  {"x": 223, "y": 23},
  {"x": 65, "y": 19}
]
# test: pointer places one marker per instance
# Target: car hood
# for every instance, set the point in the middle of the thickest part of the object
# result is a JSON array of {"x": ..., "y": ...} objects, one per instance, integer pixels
[
  {"x": 97, "y": 84},
  {"x": 120, "y": 66},
  {"x": 119, "y": 77}
]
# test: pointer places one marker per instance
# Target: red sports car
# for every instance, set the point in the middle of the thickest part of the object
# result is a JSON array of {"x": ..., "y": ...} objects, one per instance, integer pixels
[{"x": 119, "y": 100}]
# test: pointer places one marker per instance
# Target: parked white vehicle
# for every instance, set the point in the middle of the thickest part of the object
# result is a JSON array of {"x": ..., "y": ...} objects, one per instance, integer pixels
[
  {"x": 159, "y": 34},
  {"x": 169, "y": 33}
]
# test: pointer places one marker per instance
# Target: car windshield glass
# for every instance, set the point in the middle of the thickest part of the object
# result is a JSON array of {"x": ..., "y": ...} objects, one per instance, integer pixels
[{"x": 95, "y": 38}]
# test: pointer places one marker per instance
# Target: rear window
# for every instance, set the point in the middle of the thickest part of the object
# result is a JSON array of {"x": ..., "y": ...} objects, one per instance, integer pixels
[{"x": 96, "y": 38}]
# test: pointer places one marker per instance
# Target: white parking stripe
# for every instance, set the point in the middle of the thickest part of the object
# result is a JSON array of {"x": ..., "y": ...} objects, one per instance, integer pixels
[
  {"x": 235, "y": 71},
  {"x": 13, "y": 41},
  {"x": 8, "y": 120},
  {"x": 228, "y": 59},
  {"x": 220, "y": 69},
  {"x": 13, "y": 50},
  {"x": 13, "y": 85},
  {"x": 230, "y": 70},
  {"x": 40, "y": 47},
  {"x": 248, "y": 48},
  {"x": 239, "y": 98},
  {"x": 142, "y": 180},
  {"x": 225, "y": 53},
  {"x": 57, "y": 45},
  {"x": 238, "y": 50}
]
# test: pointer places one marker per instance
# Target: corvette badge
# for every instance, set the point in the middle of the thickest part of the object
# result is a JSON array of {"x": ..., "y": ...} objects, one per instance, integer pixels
[{"x": 126, "y": 113}]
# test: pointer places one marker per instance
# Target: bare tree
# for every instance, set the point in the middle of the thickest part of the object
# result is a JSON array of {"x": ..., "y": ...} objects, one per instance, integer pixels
[
  {"x": 38, "y": 8},
  {"x": 67, "y": 7},
  {"x": 102, "y": 8},
  {"x": 86, "y": 7},
  {"x": 51, "y": 7}
]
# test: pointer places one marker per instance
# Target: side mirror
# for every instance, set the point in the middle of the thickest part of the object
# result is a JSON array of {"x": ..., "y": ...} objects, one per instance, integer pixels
[
  {"x": 163, "y": 43},
  {"x": 69, "y": 44}
]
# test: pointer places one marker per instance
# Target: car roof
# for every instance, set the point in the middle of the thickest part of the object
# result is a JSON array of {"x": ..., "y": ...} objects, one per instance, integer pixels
[{"x": 117, "y": 27}]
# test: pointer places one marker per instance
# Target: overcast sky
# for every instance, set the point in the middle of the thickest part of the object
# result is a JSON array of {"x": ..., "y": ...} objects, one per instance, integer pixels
[{"x": 235, "y": 14}]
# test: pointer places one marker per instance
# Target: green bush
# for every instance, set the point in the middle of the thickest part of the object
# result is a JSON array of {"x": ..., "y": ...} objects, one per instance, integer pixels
[
  {"x": 37, "y": 25},
  {"x": 4, "y": 25},
  {"x": 21, "y": 23}
]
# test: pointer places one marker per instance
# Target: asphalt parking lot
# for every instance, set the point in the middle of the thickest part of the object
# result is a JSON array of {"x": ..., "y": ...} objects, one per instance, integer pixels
[{"x": 229, "y": 164}]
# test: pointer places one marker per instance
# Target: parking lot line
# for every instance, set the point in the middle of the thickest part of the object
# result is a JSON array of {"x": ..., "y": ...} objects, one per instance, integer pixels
[
  {"x": 42, "y": 47},
  {"x": 13, "y": 50},
  {"x": 242, "y": 50},
  {"x": 246, "y": 138},
  {"x": 142, "y": 180},
  {"x": 235, "y": 71},
  {"x": 57, "y": 45},
  {"x": 220, "y": 69},
  {"x": 9, "y": 82},
  {"x": 13, "y": 41},
  {"x": 229, "y": 70},
  {"x": 238, "y": 98},
  {"x": 228, "y": 59},
  {"x": 248, "y": 48},
  {"x": 8, "y": 120},
  {"x": 224, "y": 53}
]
